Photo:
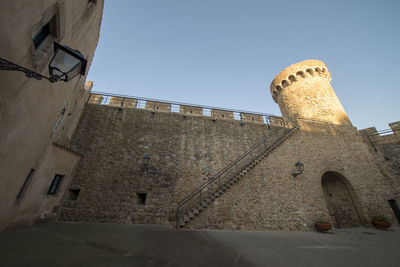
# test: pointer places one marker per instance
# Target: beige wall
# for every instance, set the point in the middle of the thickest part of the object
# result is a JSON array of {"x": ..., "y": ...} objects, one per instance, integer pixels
[
  {"x": 184, "y": 152},
  {"x": 303, "y": 90},
  {"x": 268, "y": 198},
  {"x": 29, "y": 108}
]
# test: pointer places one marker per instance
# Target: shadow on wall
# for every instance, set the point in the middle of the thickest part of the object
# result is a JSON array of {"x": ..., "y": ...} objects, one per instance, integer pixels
[{"x": 342, "y": 201}]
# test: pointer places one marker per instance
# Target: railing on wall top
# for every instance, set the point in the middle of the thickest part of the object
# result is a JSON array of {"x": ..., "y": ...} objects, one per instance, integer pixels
[
  {"x": 118, "y": 100},
  {"x": 222, "y": 177}
]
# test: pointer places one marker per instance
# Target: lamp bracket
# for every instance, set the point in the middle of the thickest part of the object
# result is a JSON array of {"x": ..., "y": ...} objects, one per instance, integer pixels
[{"x": 7, "y": 65}]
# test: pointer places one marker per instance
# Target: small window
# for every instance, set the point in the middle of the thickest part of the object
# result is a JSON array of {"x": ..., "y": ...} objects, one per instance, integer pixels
[
  {"x": 28, "y": 178},
  {"x": 54, "y": 184},
  {"x": 46, "y": 30},
  {"x": 141, "y": 198},
  {"x": 74, "y": 193},
  {"x": 58, "y": 121}
]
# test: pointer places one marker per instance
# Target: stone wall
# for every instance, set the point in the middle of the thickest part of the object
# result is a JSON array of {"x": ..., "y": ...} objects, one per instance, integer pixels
[
  {"x": 184, "y": 152},
  {"x": 269, "y": 198},
  {"x": 385, "y": 148}
]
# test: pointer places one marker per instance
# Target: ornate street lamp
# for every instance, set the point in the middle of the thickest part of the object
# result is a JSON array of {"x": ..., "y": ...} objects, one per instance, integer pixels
[
  {"x": 65, "y": 64},
  {"x": 300, "y": 168}
]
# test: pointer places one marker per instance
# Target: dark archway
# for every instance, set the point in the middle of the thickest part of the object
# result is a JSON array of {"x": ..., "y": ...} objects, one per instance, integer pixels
[{"x": 342, "y": 201}]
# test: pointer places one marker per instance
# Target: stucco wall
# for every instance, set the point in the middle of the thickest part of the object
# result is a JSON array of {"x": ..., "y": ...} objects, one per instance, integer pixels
[{"x": 29, "y": 108}]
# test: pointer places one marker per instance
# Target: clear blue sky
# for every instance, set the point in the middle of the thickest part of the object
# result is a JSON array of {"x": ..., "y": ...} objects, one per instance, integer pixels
[{"x": 225, "y": 53}]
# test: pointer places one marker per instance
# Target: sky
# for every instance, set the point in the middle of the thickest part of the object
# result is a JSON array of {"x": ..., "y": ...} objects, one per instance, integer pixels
[{"x": 225, "y": 53}]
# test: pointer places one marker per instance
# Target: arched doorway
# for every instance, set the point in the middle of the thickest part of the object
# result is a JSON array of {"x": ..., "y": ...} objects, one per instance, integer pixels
[{"x": 342, "y": 201}]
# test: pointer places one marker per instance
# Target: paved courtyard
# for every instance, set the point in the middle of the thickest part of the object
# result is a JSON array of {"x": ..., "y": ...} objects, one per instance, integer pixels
[{"x": 90, "y": 244}]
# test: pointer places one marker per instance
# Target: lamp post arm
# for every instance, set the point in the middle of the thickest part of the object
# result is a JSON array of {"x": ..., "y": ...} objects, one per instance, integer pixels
[{"x": 7, "y": 65}]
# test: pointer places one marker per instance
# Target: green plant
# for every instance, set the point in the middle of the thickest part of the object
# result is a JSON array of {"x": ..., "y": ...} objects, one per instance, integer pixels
[{"x": 380, "y": 218}]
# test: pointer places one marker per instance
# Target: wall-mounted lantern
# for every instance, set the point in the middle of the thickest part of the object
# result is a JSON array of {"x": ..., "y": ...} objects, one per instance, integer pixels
[
  {"x": 65, "y": 64},
  {"x": 146, "y": 161},
  {"x": 299, "y": 167}
]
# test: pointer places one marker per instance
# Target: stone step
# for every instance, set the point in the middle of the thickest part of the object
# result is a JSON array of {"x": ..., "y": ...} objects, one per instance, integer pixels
[{"x": 219, "y": 190}]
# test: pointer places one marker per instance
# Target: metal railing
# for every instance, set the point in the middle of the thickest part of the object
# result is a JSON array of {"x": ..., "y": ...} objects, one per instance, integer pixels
[
  {"x": 177, "y": 107},
  {"x": 384, "y": 132},
  {"x": 374, "y": 141},
  {"x": 239, "y": 164}
]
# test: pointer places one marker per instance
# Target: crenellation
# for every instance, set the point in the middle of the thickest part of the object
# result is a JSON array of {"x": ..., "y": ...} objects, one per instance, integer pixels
[
  {"x": 247, "y": 117},
  {"x": 191, "y": 110},
  {"x": 158, "y": 106},
  {"x": 130, "y": 103},
  {"x": 275, "y": 121},
  {"x": 222, "y": 114},
  {"x": 95, "y": 99},
  {"x": 115, "y": 101},
  {"x": 387, "y": 136},
  {"x": 289, "y": 78},
  {"x": 308, "y": 94},
  {"x": 395, "y": 126},
  {"x": 186, "y": 110}
]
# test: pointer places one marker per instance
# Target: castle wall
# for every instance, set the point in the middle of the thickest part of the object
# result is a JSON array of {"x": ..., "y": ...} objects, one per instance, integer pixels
[
  {"x": 184, "y": 152},
  {"x": 385, "y": 148},
  {"x": 268, "y": 198}
]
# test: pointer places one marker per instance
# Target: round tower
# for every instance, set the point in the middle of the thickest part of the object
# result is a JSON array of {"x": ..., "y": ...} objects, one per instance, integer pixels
[{"x": 303, "y": 90}]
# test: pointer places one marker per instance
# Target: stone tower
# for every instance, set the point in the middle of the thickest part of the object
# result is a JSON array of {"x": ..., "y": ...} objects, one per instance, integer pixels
[{"x": 303, "y": 90}]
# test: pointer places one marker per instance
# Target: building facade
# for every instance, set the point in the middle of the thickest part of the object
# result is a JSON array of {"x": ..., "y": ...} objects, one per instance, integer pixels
[{"x": 38, "y": 118}]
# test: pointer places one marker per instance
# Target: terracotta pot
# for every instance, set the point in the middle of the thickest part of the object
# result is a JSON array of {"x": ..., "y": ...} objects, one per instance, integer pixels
[
  {"x": 380, "y": 224},
  {"x": 323, "y": 227}
]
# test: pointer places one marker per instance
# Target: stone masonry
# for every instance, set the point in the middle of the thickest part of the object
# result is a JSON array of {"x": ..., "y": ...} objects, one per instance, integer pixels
[
  {"x": 137, "y": 164},
  {"x": 184, "y": 152}
]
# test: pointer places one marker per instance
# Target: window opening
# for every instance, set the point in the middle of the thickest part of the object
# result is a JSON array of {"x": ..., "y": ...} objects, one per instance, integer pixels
[
  {"x": 74, "y": 193},
  {"x": 28, "y": 178},
  {"x": 141, "y": 198},
  {"x": 54, "y": 184},
  {"x": 46, "y": 30},
  {"x": 58, "y": 121},
  {"x": 237, "y": 116}
]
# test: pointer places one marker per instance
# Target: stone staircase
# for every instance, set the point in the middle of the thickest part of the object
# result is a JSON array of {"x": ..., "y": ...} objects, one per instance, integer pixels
[{"x": 194, "y": 203}]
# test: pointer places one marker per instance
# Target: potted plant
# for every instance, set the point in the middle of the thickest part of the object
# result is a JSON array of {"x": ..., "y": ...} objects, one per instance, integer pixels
[
  {"x": 380, "y": 221},
  {"x": 322, "y": 225}
]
